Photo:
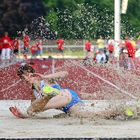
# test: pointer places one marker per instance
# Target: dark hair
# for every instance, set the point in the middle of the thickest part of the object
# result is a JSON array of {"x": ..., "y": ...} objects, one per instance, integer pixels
[{"x": 24, "y": 68}]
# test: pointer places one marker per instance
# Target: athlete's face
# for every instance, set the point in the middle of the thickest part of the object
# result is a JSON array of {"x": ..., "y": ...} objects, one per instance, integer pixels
[{"x": 28, "y": 77}]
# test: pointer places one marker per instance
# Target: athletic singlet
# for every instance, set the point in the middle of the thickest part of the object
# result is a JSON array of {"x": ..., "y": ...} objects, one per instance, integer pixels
[{"x": 38, "y": 94}]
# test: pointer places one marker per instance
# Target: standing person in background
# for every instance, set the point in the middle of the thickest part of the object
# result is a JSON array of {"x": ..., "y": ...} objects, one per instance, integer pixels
[
  {"x": 60, "y": 46},
  {"x": 87, "y": 47},
  {"x": 89, "y": 53},
  {"x": 131, "y": 52},
  {"x": 15, "y": 46},
  {"x": 40, "y": 49},
  {"x": 34, "y": 51},
  {"x": 101, "y": 43},
  {"x": 110, "y": 49},
  {"x": 26, "y": 41},
  {"x": 123, "y": 56},
  {"x": 101, "y": 57},
  {"x": 6, "y": 47}
]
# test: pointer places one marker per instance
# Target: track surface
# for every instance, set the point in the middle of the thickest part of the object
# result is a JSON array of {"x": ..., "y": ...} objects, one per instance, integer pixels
[{"x": 84, "y": 83}]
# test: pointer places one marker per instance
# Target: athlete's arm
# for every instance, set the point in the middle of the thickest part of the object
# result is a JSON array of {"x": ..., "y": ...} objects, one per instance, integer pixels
[
  {"x": 32, "y": 97},
  {"x": 60, "y": 74}
]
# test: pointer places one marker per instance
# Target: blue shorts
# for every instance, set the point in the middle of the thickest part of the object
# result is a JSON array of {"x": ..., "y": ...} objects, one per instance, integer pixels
[{"x": 75, "y": 100}]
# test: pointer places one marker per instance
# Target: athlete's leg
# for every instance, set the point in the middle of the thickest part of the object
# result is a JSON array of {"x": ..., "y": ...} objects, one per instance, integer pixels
[
  {"x": 82, "y": 110},
  {"x": 59, "y": 101},
  {"x": 47, "y": 102}
]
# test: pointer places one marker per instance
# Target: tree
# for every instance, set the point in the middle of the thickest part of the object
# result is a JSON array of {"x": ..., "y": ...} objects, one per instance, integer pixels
[
  {"x": 75, "y": 27},
  {"x": 18, "y": 14},
  {"x": 83, "y": 23}
]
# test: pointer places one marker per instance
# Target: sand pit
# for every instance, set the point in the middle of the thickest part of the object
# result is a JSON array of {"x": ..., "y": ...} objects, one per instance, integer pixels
[{"x": 63, "y": 127}]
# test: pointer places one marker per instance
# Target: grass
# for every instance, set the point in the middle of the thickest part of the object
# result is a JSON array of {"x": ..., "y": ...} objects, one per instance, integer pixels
[{"x": 79, "y": 53}]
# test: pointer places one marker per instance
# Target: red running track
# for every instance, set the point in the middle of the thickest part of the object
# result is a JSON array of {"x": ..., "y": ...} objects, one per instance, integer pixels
[{"x": 84, "y": 83}]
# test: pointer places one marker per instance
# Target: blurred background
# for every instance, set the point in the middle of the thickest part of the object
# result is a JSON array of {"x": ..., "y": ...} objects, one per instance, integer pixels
[{"x": 72, "y": 19}]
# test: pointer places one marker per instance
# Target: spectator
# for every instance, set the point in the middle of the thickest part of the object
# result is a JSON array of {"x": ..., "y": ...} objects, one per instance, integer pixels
[
  {"x": 110, "y": 49},
  {"x": 123, "y": 59},
  {"x": 60, "y": 46},
  {"x": 6, "y": 47},
  {"x": 130, "y": 48},
  {"x": 101, "y": 43},
  {"x": 89, "y": 53},
  {"x": 26, "y": 41},
  {"x": 15, "y": 46},
  {"x": 34, "y": 51},
  {"x": 21, "y": 47},
  {"x": 131, "y": 52},
  {"x": 101, "y": 57},
  {"x": 88, "y": 46},
  {"x": 40, "y": 49}
]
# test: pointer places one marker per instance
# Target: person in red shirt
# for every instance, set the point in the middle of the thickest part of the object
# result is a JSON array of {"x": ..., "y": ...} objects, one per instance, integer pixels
[
  {"x": 89, "y": 53},
  {"x": 88, "y": 46},
  {"x": 39, "y": 46},
  {"x": 6, "y": 47},
  {"x": 131, "y": 52},
  {"x": 130, "y": 48},
  {"x": 34, "y": 50},
  {"x": 15, "y": 45},
  {"x": 26, "y": 42},
  {"x": 111, "y": 48},
  {"x": 60, "y": 45}
]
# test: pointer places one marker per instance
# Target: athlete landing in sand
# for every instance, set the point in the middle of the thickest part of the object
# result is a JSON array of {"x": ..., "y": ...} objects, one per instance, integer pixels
[{"x": 51, "y": 96}]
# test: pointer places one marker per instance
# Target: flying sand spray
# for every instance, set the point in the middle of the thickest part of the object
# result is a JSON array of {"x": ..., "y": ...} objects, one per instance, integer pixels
[{"x": 128, "y": 111}]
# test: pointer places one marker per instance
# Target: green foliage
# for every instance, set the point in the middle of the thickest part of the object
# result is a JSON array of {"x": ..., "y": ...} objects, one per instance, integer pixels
[
  {"x": 79, "y": 19},
  {"x": 133, "y": 14},
  {"x": 16, "y": 15},
  {"x": 61, "y": 4},
  {"x": 90, "y": 18},
  {"x": 53, "y": 19}
]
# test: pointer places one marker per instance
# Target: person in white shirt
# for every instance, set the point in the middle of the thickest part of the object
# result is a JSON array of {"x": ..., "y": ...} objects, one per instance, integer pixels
[{"x": 101, "y": 57}]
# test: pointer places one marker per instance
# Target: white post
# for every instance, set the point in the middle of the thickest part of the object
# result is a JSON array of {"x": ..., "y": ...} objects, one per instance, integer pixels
[{"x": 117, "y": 28}]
